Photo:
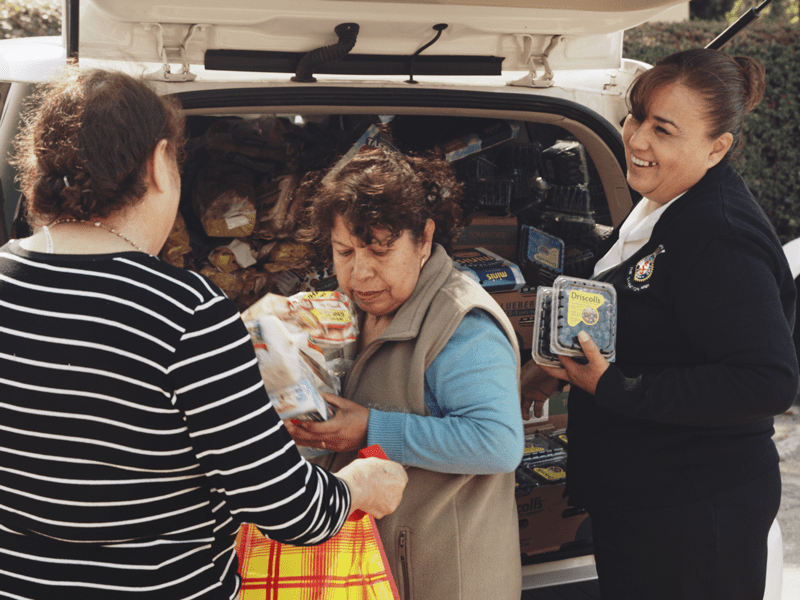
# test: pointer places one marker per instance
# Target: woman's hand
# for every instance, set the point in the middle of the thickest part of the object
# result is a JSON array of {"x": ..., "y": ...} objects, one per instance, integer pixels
[
  {"x": 347, "y": 430},
  {"x": 376, "y": 485},
  {"x": 585, "y": 376},
  {"x": 536, "y": 386}
]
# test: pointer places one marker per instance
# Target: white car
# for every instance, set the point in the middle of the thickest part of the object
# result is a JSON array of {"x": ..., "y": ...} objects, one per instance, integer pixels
[{"x": 552, "y": 69}]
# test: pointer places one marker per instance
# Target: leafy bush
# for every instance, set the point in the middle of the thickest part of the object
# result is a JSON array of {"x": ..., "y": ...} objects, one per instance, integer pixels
[
  {"x": 710, "y": 9},
  {"x": 721, "y": 10},
  {"x": 29, "y": 18},
  {"x": 770, "y": 158}
]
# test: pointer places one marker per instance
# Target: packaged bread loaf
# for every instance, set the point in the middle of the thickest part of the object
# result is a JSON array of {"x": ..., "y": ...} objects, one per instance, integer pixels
[
  {"x": 327, "y": 318},
  {"x": 178, "y": 244},
  {"x": 276, "y": 210},
  {"x": 300, "y": 343},
  {"x": 230, "y": 283},
  {"x": 231, "y": 257},
  {"x": 260, "y": 139},
  {"x": 288, "y": 255},
  {"x": 224, "y": 199}
]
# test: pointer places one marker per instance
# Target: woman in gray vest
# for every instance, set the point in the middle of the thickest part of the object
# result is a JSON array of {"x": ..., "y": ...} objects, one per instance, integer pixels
[{"x": 435, "y": 381}]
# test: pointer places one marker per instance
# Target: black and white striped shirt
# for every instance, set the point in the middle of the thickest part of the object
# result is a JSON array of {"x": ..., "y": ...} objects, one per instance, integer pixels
[{"x": 136, "y": 434}]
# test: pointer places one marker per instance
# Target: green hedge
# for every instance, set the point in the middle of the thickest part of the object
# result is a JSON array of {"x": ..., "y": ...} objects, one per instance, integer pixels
[
  {"x": 770, "y": 158},
  {"x": 28, "y": 18}
]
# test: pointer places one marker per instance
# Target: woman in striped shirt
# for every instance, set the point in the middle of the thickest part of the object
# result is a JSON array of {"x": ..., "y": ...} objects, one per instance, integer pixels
[{"x": 136, "y": 434}]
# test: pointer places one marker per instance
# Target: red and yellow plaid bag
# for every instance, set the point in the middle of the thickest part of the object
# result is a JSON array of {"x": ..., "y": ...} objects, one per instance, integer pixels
[{"x": 350, "y": 566}]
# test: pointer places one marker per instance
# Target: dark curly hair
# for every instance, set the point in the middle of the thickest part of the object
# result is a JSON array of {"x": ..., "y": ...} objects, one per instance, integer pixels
[
  {"x": 85, "y": 142},
  {"x": 384, "y": 189},
  {"x": 731, "y": 86}
]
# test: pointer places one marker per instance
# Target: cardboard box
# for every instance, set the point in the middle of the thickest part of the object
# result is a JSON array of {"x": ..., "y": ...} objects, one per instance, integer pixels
[
  {"x": 493, "y": 272},
  {"x": 520, "y": 308},
  {"x": 496, "y": 233},
  {"x": 546, "y": 522}
]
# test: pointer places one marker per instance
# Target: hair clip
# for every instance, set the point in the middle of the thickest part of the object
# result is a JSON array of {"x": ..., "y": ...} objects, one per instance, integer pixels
[{"x": 66, "y": 181}]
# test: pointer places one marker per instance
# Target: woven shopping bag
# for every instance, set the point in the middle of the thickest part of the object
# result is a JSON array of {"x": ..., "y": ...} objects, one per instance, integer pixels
[{"x": 351, "y": 565}]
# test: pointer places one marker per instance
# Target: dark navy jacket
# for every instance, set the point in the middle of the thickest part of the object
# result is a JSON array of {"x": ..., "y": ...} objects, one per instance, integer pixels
[{"x": 705, "y": 358}]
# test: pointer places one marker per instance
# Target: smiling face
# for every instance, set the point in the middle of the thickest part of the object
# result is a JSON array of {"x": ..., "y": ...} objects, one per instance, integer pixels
[
  {"x": 380, "y": 276},
  {"x": 669, "y": 150}
]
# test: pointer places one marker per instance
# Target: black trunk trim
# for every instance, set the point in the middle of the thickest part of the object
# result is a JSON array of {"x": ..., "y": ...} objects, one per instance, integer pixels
[{"x": 353, "y": 64}]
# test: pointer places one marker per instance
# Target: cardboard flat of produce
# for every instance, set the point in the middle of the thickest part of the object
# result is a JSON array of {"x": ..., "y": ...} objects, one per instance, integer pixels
[
  {"x": 494, "y": 273},
  {"x": 496, "y": 233},
  {"x": 520, "y": 308}
]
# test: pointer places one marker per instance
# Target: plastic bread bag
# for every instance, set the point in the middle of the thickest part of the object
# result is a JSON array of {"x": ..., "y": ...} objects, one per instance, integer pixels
[
  {"x": 327, "y": 318},
  {"x": 178, "y": 244},
  {"x": 300, "y": 342},
  {"x": 277, "y": 210},
  {"x": 224, "y": 199},
  {"x": 292, "y": 368}
]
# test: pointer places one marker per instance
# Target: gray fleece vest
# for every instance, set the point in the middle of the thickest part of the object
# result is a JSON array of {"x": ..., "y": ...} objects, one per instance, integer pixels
[{"x": 453, "y": 536}]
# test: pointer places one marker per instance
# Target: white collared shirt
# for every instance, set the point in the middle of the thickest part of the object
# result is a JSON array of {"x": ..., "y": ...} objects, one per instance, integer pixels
[{"x": 634, "y": 233}]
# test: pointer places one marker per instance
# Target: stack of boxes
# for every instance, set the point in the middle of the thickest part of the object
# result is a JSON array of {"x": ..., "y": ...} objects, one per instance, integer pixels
[{"x": 546, "y": 521}]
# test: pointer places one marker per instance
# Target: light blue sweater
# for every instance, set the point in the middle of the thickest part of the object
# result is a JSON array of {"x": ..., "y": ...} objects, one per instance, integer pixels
[{"x": 472, "y": 394}]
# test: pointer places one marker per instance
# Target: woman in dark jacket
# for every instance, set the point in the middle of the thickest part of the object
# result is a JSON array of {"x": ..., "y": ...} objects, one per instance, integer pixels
[{"x": 670, "y": 446}]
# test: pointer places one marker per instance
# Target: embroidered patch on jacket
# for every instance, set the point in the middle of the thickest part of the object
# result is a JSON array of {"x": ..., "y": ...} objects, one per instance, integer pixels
[{"x": 640, "y": 274}]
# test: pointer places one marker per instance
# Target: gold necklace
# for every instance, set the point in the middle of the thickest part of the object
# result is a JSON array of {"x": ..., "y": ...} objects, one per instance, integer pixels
[{"x": 104, "y": 226}]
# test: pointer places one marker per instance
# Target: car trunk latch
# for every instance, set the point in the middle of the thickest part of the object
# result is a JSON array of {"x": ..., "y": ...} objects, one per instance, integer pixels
[
  {"x": 173, "y": 54},
  {"x": 532, "y": 79}
]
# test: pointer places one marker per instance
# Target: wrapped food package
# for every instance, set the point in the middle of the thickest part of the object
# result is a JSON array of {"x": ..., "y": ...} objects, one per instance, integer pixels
[
  {"x": 255, "y": 283},
  {"x": 541, "y": 329},
  {"x": 276, "y": 211},
  {"x": 583, "y": 305},
  {"x": 327, "y": 318},
  {"x": 565, "y": 163},
  {"x": 230, "y": 283},
  {"x": 243, "y": 286},
  {"x": 224, "y": 200},
  {"x": 178, "y": 243},
  {"x": 295, "y": 338},
  {"x": 487, "y": 136},
  {"x": 312, "y": 279},
  {"x": 292, "y": 369},
  {"x": 494, "y": 273},
  {"x": 374, "y": 137},
  {"x": 259, "y": 140},
  {"x": 287, "y": 255},
  {"x": 233, "y": 256}
]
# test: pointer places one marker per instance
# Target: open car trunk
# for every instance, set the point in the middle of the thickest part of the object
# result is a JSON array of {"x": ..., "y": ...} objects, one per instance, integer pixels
[
  {"x": 273, "y": 138},
  {"x": 528, "y": 163}
]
